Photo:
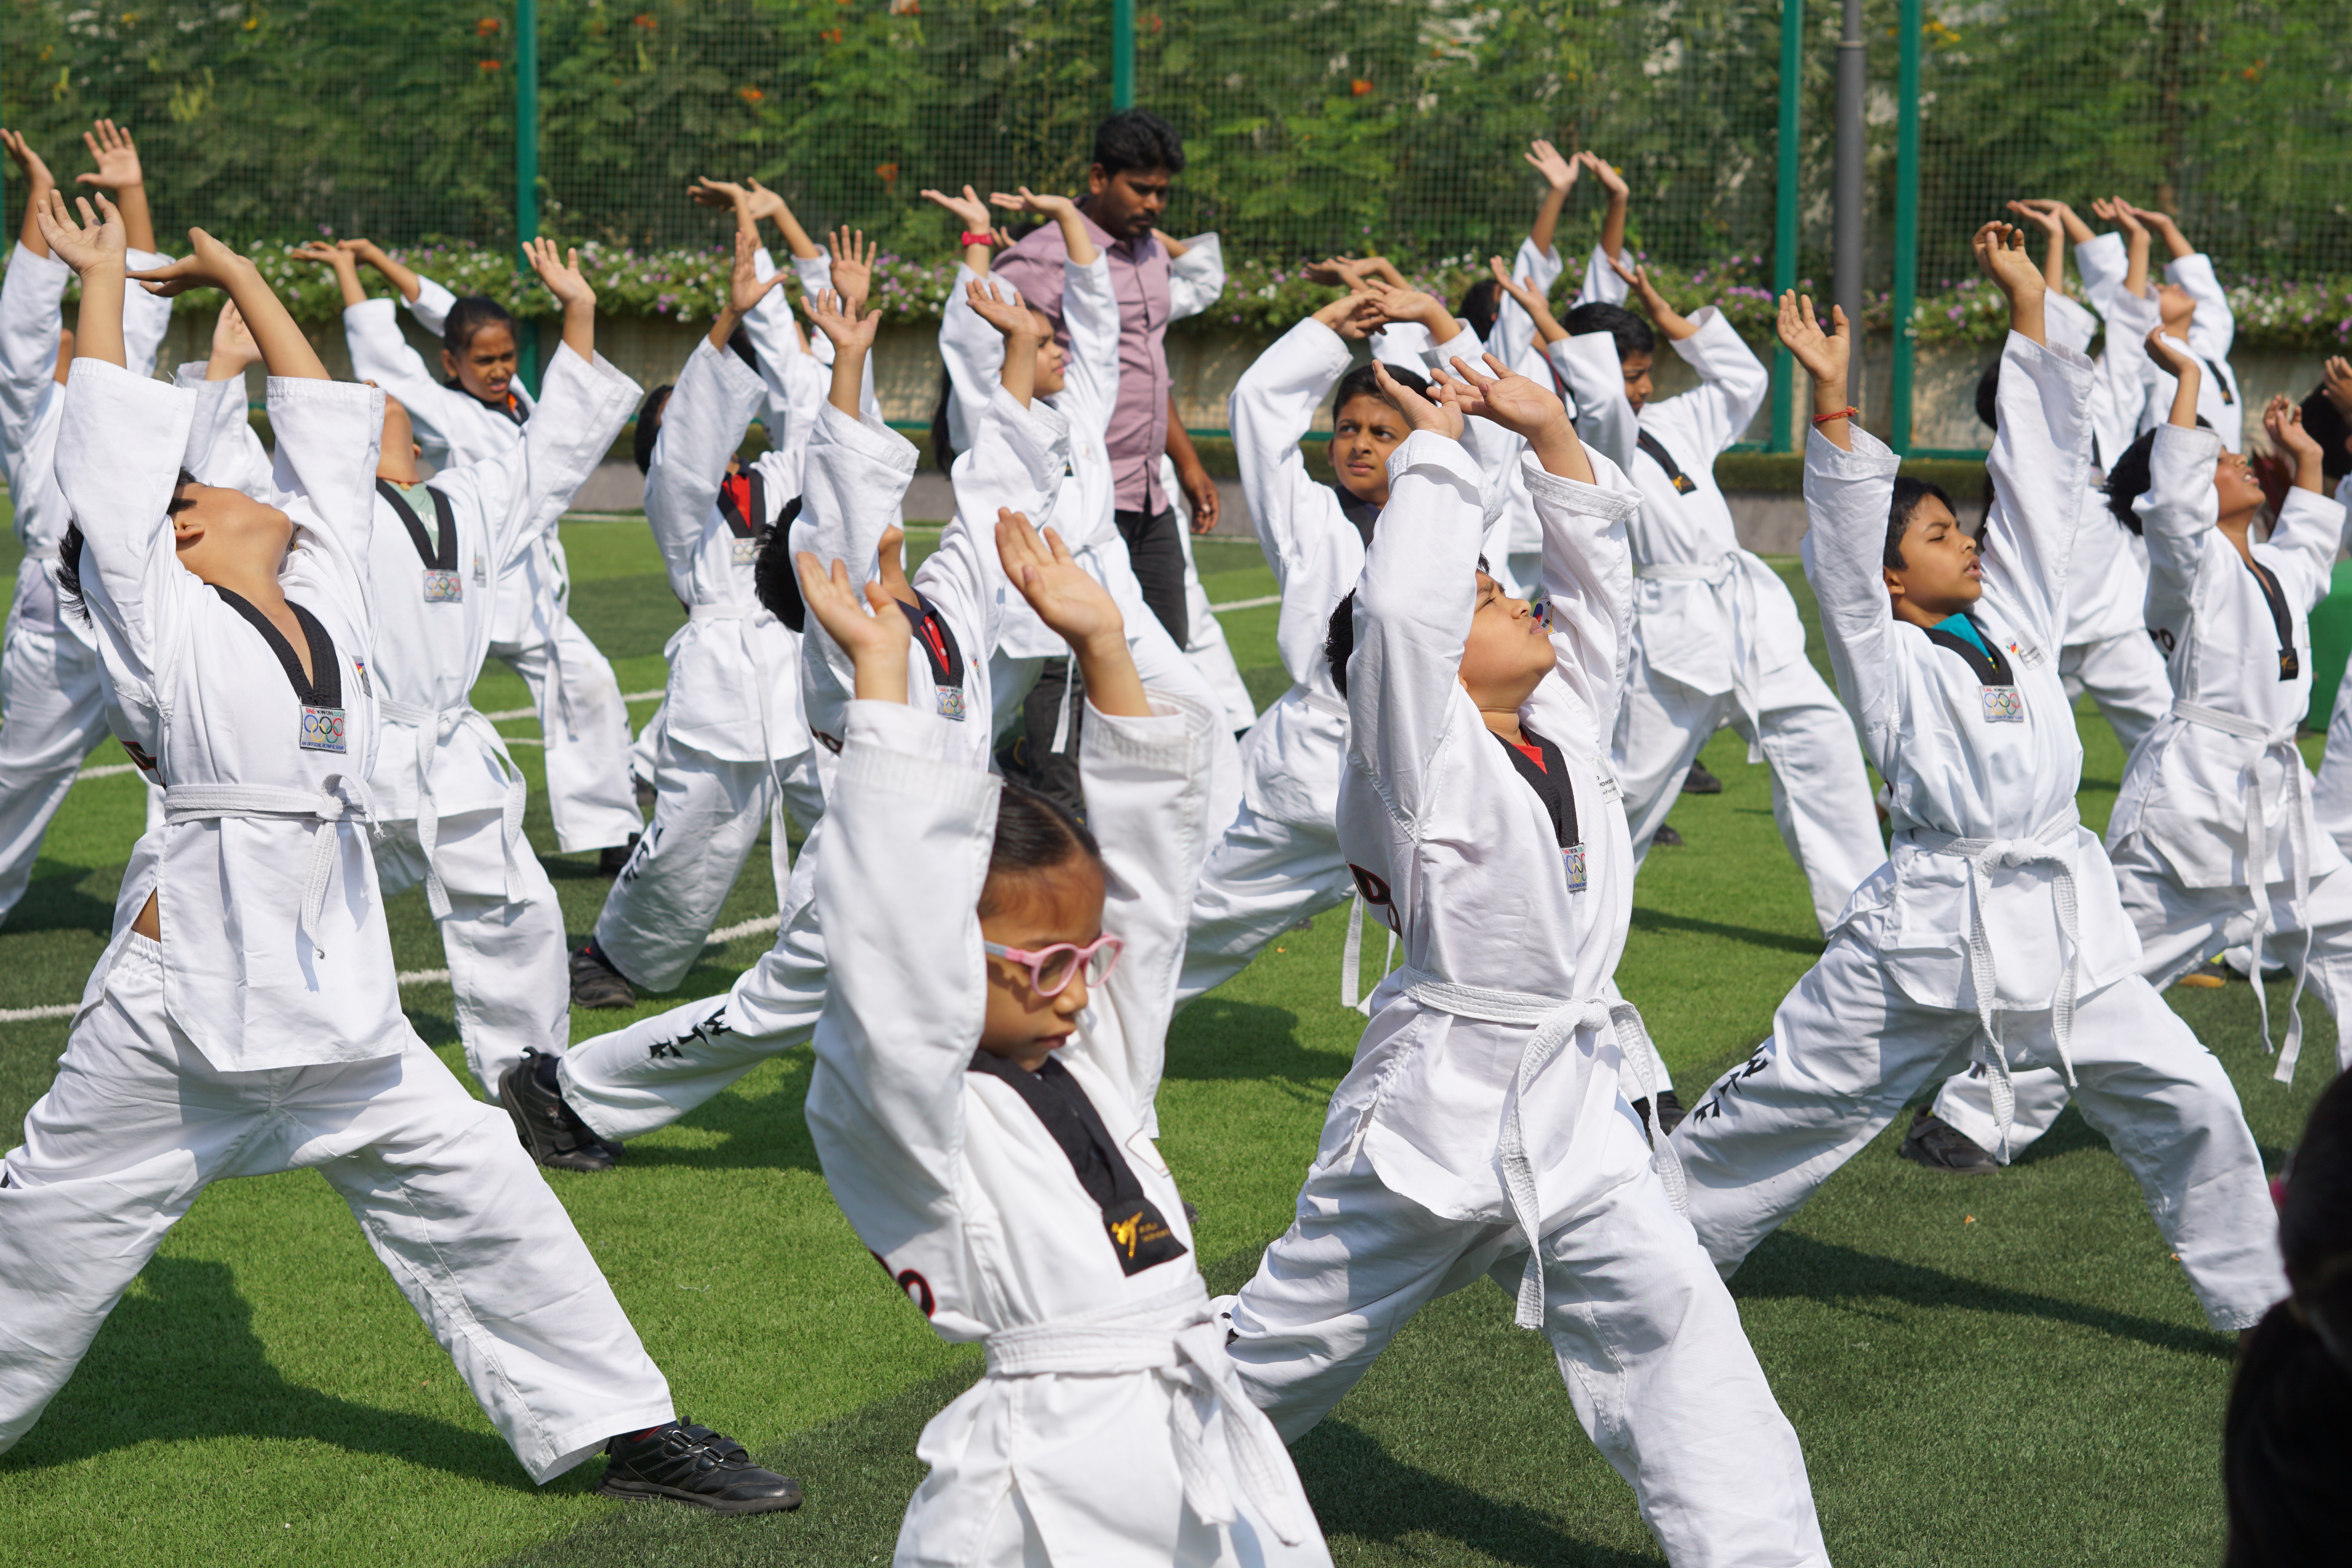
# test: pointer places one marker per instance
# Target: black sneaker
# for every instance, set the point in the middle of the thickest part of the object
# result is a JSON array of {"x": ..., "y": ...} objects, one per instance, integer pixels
[
  {"x": 694, "y": 1465},
  {"x": 1670, "y": 1113},
  {"x": 550, "y": 1129},
  {"x": 1940, "y": 1146},
  {"x": 1698, "y": 781},
  {"x": 1666, "y": 836},
  {"x": 595, "y": 983},
  {"x": 612, "y": 859}
]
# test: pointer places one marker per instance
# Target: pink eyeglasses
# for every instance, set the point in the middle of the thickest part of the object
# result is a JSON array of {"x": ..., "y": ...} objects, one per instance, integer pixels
[{"x": 1050, "y": 969}]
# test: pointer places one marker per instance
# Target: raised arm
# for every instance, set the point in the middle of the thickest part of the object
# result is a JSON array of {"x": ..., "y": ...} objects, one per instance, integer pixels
[
  {"x": 222, "y": 448},
  {"x": 1612, "y": 220},
  {"x": 583, "y": 405},
  {"x": 2214, "y": 329},
  {"x": 702, "y": 423},
  {"x": 32, "y": 318},
  {"x": 2309, "y": 525},
  {"x": 2040, "y": 459},
  {"x": 1196, "y": 274},
  {"x": 2176, "y": 514},
  {"x": 855, "y": 479},
  {"x": 411, "y": 285},
  {"x": 1090, "y": 374},
  {"x": 119, "y": 170},
  {"x": 38, "y": 184}
]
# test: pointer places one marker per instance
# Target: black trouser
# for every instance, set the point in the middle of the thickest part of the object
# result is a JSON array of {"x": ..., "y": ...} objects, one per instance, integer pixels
[
  {"x": 1158, "y": 556},
  {"x": 1030, "y": 756}
]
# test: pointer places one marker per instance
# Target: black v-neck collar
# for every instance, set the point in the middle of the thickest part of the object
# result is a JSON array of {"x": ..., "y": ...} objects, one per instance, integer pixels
[
  {"x": 1550, "y": 781},
  {"x": 1991, "y": 670},
  {"x": 2290, "y": 662},
  {"x": 442, "y": 557},
  {"x": 1139, "y": 1233},
  {"x": 324, "y": 687},
  {"x": 937, "y": 639}
]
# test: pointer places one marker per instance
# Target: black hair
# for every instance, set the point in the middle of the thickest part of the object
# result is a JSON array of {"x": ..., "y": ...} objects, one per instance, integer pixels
[
  {"x": 2129, "y": 478},
  {"x": 1034, "y": 835},
  {"x": 1364, "y": 381},
  {"x": 775, "y": 579},
  {"x": 1479, "y": 303},
  {"x": 2325, "y": 423},
  {"x": 69, "y": 574},
  {"x": 1909, "y": 494},
  {"x": 649, "y": 424},
  {"x": 1339, "y": 641},
  {"x": 1989, "y": 395},
  {"x": 470, "y": 315},
  {"x": 1633, "y": 333},
  {"x": 2286, "y": 1445},
  {"x": 943, "y": 452},
  {"x": 1138, "y": 139}
]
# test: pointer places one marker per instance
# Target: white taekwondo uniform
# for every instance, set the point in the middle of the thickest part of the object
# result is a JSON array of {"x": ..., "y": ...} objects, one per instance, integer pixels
[
  {"x": 734, "y": 749},
  {"x": 1196, "y": 280},
  {"x": 51, "y": 693},
  {"x": 1081, "y": 500},
  {"x": 1277, "y": 861},
  {"x": 1110, "y": 1426},
  {"x": 1996, "y": 926},
  {"x": 263, "y": 1031},
  {"x": 1480, "y": 1131},
  {"x": 581, "y": 714},
  {"x": 1717, "y": 637},
  {"x": 654, "y": 1071},
  {"x": 2331, "y": 792},
  {"x": 2212, "y": 836},
  {"x": 2103, "y": 261}
]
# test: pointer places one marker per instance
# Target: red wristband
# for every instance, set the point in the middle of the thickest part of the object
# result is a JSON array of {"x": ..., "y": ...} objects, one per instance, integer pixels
[
  {"x": 1847, "y": 413},
  {"x": 971, "y": 238}
]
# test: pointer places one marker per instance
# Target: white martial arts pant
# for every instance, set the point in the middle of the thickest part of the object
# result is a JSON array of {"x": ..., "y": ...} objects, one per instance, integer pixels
[
  {"x": 645, "y": 752},
  {"x": 2180, "y": 928},
  {"x": 2125, "y": 678},
  {"x": 2331, "y": 790},
  {"x": 1646, "y": 1337},
  {"x": 586, "y": 728},
  {"x": 1849, "y": 1049},
  {"x": 1262, "y": 875},
  {"x": 138, "y": 1123},
  {"x": 51, "y": 717},
  {"x": 708, "y": 814},
  {"x": 1206, "y": 645},
  {"x": 1821, "y": 790},
  {"x": 508, "y": 961},
  {"x": 645, "y": 1075}
]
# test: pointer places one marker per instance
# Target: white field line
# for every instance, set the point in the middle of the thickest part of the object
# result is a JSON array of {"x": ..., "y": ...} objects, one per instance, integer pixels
[{"x": 719, "y": 937}]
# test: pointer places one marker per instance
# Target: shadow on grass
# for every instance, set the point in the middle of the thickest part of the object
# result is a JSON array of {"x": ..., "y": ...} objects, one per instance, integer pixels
[
  {"x": 758, "y": 1131},
  {"x": 61, "y": 901},
  {"x": 1215, "y": 1039},
  {"x": 1359, "y": 1489},
  {"x": 1652, "y": 919},
  {"x": 179, "y": 1362},
  {"x": 1798, "y": 1266}
]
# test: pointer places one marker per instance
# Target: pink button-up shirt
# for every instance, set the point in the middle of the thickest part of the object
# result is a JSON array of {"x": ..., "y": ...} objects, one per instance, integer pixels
[{"x": 1139, "y": 270}]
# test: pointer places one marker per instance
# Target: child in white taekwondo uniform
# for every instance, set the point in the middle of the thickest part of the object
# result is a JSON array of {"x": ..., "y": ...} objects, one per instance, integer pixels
[
  {"x": 1717, "y": 637},
  {"x": 1278, "y": 861},
  {"x": 478, "y": 411},
  {"x": 616, "y": 1087},
  {"x": 2213, "y": 839},
  {"x": 51, "y": 692},
  {"x": 981, "y": 329},
  {"x": 245, "y": 1018},
  {"x": 982, "y": 1105},
  {"x": 1995, "y": 933},
  {"x": 1481, "y": 1131},
  {"x": 734, "y": 751},
  {"x": 448, "y": 798},
  {"x": 2189, "y": 303}
]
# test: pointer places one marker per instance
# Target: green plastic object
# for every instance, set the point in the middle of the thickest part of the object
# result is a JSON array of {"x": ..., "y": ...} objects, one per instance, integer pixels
[{"x": 2331, "y": 645}]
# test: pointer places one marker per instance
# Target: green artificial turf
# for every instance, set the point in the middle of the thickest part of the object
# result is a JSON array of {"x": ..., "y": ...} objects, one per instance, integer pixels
[{"x": 2003, "y": 1371}]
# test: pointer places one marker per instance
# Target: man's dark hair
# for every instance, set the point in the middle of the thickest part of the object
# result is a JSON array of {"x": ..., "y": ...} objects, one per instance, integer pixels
[
  {"x": 1138, "y": 139},
  {"x": 2325, "y": 424},
  {"x": 1989, "y": 395},
  {"x": 649, "y": 423},
  {"x": 1480, "y": 302},
  {"x": 1362, "y": 382},
  {"x": 775, "y": 579},
  {"x": 1633, "y": 333},
  {"x": 1034, "y": 837},
  {"x": 1909, "y": 494},
  {"x": 2286, "y": 1445}
]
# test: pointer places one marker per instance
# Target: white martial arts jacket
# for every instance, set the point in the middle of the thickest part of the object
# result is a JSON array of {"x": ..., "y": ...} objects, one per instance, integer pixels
[
  {"x": 1981, "y": 757},
  {"x": 455, "y": 427},
  {"x": 770, "y": 325},
  {"x": 2104, "y": 262},
  {"x": 2107, "y": 575},
  {"x": 797, "y": 380},
  {"x": 1708, "y": 613},
  {"x": 1509, "y": 937},
  {"x": 30, "y": 397},
  {"x": 1080, "y": 495},
  {"x": 1313, "y": 535},
  {"x": 2237, "y": 647},
  {"x": 971, "y": 1204},
  {"x": 275, "y": 950},
  {"x": 734, "y": 679}
]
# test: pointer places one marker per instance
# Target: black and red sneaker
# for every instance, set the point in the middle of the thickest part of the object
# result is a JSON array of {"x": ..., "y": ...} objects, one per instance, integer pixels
[{"x": 694, "y": 1465}]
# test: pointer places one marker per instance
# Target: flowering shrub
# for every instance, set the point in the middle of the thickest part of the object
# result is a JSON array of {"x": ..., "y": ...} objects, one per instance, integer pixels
[{"x": 1262, "y": 296}]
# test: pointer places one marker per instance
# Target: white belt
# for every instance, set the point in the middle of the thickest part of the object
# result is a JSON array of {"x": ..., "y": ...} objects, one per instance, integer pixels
[
  {"x": 1175, "y": 1335},
  {"x": 433, "y": 725},
  {"x": 344, "y": 799},
  {"x": 1557, "y": 1023},
  {"x": 1984, "y": 857},
  {"x": 2300, "y": 829},
  {"x": 1726, "y": 568}
]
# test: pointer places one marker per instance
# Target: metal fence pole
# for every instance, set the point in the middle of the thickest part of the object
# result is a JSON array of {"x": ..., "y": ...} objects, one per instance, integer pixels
[
  {"x": 1907, "y": 216},
  {"x": 1784, "y": 216},
  {"x": 1851, "y": 191},
  {"x": 1122, "y": 54},
  {"x": 525, "y": 25}
]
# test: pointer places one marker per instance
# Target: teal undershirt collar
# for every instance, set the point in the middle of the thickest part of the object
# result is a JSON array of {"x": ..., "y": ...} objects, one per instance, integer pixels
[{"x": 1960, "y": 625}]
